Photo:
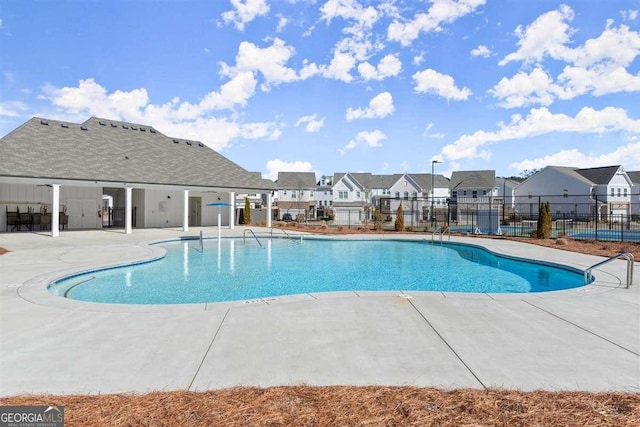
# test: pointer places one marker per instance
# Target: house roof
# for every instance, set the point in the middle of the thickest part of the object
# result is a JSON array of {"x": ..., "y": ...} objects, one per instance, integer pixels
[
  {"x": 424, "y": 180},
  {"x": 601, "y": 175},
  {"x": 634, "y": 176},
  {"x": 119, "y": 152},
  {"x": 382, "y": 182},
  {"x": 296, "y": 180},
  {"x": 472, "y": 179}
]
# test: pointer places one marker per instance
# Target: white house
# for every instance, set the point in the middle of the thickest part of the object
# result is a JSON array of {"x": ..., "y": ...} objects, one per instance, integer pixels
[
  {"x": 634, "y": 176},
  {"x": 297, "y": 195},
  {"x": 573, "y": 192},
  {"x": 351, "y": 198}
]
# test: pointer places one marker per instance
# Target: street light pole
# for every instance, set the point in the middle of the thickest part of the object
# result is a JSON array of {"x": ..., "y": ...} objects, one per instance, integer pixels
[{"x": 433, "y": 217}]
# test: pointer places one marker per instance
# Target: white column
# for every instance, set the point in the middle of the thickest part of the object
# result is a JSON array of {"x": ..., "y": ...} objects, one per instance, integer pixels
[
  {"x": 232, "y": 210},
  {"x": 185, "y": 217},
  {"x": 55, "y": 211},
  {"x": 127, "y": 210},
  {"x": 269, "y": 201}
]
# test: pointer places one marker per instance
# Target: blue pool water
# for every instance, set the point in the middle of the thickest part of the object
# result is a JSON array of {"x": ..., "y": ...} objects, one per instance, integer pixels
[{"x": 233, "y": 270}]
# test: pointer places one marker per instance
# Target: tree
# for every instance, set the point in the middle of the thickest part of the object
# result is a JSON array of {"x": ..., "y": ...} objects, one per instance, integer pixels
[
  {"x": 543, "y": 230},
  {"x": 247, "y": 211},
  {"x": 399, "y": 226}
]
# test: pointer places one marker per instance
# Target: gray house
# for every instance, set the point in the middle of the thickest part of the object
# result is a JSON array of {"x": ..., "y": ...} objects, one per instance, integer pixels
[
  {"x": 56, "y": 174},
  {"x": 297, "y": 194}
]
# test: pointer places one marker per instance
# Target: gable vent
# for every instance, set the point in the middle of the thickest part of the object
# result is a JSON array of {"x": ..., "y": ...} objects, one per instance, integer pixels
[
  {"x": 113, "y": 125},
  {"x": 83, "y": 128},
  {"x": 44, "y": 122},
  {"x": 102, "y": 123},
  {"x": 64, "y": 125}
]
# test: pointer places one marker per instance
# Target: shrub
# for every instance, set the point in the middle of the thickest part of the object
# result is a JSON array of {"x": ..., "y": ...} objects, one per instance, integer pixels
[
  {"x": 399, "y": 225},
  {"x": 378, "y": 220},
  {"x": 247, "y": 211},
  {"x": 543, "y": 230},
  {"x": 409, "y": 228}
]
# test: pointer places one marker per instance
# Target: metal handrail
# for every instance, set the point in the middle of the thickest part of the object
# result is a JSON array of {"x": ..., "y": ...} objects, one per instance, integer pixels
[
  {"x": 441, "y": 233},
  {"x": 244, "y": 236},
  {"x": 284, "y": 231},
  {"x": 201, "y": 242},
  {"x": 588, "y": 277}
]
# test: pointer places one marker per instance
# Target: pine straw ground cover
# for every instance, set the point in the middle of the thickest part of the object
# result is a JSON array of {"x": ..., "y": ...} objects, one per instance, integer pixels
[{"x": 346, "y": 406}]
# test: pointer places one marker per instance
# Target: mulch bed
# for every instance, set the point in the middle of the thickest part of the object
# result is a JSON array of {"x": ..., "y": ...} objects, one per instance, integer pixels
[{"x": 346, "y": 406}]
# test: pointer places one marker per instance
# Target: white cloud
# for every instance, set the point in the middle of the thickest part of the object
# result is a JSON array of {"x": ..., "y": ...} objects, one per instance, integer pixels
[
  {"x": 372, "y": 139},
  {"x": 426, "y": 133},
  {"x": 349, "y": 10},
  {"x": 539, "y": 122},
  {"x": 596, "y": 67},
  {"x": 276, "y": 165},
  {"x": 1, "y": 23},
  {"x": 418, "y": 59},
  {"x": 481, "y": 50},
  {"x": 430, "y": 81},
  {"x": 340, "y": 67},
  {"x": 311, "y": 122},
  {"x": 440, "y": 12},
  {"x": 547, "y": 35},
  {"x": 12, "y": 108},
  {"x": 389, "y": 66},
  {"x": 188, "y": 120},
  {"x": 270, "y": 62},
  {"x": 380, "y": 106},
  {"x": 525, "y": 89},
  {"x": 630, "y": 14},
  {"x": 629, "y": 155},
  {"x": 282, "y": 23},
  {"x": 245, "y": 12}
]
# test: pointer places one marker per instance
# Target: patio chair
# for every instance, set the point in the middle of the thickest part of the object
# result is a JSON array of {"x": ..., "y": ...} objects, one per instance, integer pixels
[{"x": 12, "y": 220}]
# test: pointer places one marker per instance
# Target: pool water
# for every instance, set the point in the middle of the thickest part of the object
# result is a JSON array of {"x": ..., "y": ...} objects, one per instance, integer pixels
[{"x": 230, "y": 269}]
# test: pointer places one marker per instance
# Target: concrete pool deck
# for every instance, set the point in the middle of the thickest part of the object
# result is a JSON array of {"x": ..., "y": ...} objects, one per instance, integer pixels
[{"x": 580, "y": 339}]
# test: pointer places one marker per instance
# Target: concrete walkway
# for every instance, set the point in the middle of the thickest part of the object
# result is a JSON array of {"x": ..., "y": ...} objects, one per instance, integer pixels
[{"x": 580, "y": 339}]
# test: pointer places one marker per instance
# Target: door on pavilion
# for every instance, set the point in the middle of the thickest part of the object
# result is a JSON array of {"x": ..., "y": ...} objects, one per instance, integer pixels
[{"x": 195, "y": 211}]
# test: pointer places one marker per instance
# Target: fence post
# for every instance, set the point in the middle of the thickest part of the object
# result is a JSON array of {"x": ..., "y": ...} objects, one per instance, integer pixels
[{"x": 597, "y": 212}]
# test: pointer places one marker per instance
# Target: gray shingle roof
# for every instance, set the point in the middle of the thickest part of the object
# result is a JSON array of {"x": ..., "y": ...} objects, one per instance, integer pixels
[
  {"x": 297, "y": 180},
  {"x": 472, "y": 179},
  {"x": 634, "y": 176},
  {"x": 601, "y": 176},
  {"x": 113, "y": 151},
  {"x": 424, "y": 180}
]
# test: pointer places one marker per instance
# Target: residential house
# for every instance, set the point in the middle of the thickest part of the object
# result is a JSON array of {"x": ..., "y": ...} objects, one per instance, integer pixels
[
  {"x": 574, "y": 192},
  {"x": 351, "y": 198},
  {"x": 324, "y": 198},
  {"x": 634, "y": 176},
  {"x": 506, "y": 195},
  {"x": 297, "y": 195},
  {"x": 472, "y": 200}
]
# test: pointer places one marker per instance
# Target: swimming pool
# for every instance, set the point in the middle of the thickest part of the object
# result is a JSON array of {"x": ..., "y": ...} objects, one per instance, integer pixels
[{"x": 230, "y": 269}]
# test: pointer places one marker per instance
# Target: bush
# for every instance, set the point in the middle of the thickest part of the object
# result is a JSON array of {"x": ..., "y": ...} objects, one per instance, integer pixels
[
  {"x": 378, "y": 220},
  {"x": 247, "y": 211},
  {"x": 409, "y": 228},
  {"x": 399, "y": 225},
  {"x": 543, "y": 230}
]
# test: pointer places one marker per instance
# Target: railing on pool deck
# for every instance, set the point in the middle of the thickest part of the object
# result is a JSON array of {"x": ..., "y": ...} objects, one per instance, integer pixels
[
  {"x": 588, "y": 277},
  {"x": 244, "y": 237},
  {"x": 285, "y": 232},
  {"x": 441, "y": 233}
]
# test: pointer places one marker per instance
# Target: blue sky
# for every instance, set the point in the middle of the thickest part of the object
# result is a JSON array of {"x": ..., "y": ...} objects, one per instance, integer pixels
[{"x": 340, "y": 85}]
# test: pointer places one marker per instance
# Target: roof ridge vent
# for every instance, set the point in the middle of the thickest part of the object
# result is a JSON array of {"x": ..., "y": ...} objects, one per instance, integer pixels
[
  {"x": 175, "y": 141},
  {"x": 152, "y": 130},
  {"x": 83, "y": 128},
  {"x": 44, "y": 122},
  {"x": 64, "y": 125},
  {"x": 134, "y": 128},
  {"x": 114, "y": 125},
  {"x": 102, "y": 123},
  {"x": 143, "y": 130},
  {"x": 200, "y": 144},
  {"x": 188, "y": 142},
  {"x": 125, "y": 127}
]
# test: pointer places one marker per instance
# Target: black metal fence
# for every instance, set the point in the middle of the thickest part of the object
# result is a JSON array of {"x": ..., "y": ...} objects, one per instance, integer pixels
[{"x": 581, "y": 216}]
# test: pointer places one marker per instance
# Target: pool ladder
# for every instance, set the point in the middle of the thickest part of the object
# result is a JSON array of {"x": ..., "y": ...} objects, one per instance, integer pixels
[
  {"x": 441, "y": 233},
  {"x": 588, "y": 277},
  {"x": 244, "y": 237}
]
